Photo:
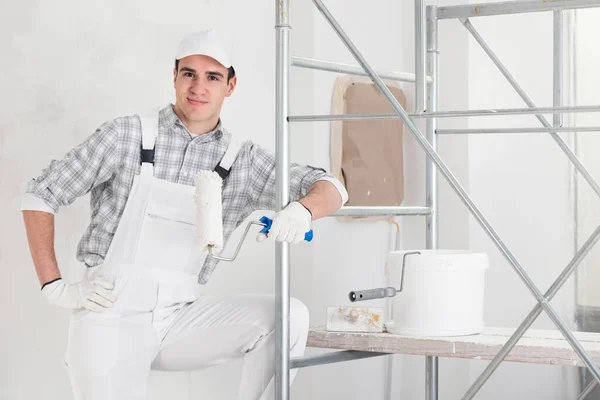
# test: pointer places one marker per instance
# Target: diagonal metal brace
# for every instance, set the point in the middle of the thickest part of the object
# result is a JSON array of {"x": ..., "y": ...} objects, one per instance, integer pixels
[{"x": 531, "y": 317}]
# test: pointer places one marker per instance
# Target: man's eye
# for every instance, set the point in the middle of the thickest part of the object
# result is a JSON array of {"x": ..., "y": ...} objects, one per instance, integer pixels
[
  {"x": 212, "y": 77},
  {"x": 188, "y": 75}
]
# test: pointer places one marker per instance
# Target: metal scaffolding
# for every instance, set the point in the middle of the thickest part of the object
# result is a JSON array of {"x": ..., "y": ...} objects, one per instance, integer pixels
[{"x": 425, "y": 79}]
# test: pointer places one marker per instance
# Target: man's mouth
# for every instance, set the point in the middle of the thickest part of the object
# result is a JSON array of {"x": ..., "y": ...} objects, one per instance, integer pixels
[{"x": 196, "y": 102}]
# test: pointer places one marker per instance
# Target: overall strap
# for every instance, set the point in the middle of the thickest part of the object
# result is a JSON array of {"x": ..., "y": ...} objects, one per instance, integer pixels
[
  {"x": 149, "y": 122},
  {"x": 233, "y": 149}
]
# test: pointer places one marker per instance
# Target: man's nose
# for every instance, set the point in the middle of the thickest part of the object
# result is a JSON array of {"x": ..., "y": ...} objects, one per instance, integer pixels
[{"x": 198, "y": 86}]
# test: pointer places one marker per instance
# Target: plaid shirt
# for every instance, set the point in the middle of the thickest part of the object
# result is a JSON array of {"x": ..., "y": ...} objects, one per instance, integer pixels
[{"x": 107, "y": 161}]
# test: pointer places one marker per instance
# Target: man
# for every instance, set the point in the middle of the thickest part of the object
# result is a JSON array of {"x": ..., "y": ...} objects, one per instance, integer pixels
[{"x": 138, "y": 306}]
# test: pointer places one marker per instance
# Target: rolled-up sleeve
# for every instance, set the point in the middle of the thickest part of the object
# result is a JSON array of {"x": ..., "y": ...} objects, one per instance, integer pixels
[
  {"x": 302, "y": 177},
  {"x": 87, "y": 165}
]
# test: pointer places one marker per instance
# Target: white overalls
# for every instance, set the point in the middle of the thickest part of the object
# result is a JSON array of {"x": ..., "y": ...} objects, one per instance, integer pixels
[{"x": 160, "y": 319}]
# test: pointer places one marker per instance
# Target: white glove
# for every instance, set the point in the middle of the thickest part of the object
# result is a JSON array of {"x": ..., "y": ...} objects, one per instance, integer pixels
[
  {"x": 94, "y": 295},
  {"x": 289, "y": 225}
]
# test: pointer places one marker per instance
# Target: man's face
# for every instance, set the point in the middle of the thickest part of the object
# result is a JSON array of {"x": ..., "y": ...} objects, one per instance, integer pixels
[{"x": 200, "y": 88}]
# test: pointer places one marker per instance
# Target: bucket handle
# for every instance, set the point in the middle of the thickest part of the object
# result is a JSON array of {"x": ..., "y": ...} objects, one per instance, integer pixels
[
  {"x": 379, "y": 293},
  {"x": 403, "y": 265}
]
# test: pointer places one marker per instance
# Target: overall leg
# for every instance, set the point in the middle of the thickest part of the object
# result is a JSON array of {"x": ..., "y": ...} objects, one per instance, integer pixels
[
  {"x": 109, "y": 354},
  {"x": 213, "y": 330},
  {"x": 263, "y": 359}
]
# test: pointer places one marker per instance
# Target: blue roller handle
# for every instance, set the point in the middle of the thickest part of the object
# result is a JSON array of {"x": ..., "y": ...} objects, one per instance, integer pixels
[{"x": 308, "y": 236}]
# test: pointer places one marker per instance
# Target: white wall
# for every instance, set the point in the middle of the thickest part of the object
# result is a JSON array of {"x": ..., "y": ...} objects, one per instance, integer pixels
[{"x": 65, "y": 73}]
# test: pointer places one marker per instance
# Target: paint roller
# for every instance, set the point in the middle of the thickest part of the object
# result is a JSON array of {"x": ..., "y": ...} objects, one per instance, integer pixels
[
  {"x": 209, "y": 216},
  {"x": 379, "y": 293}
]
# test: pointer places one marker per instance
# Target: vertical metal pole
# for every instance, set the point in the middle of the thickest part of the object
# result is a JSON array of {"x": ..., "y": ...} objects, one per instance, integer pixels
[
  {"x": 389, "y": 360},
  {"x": 572, "y": 121},
  {"x": 420, "y": 56},
  {"x": 557, "y": 70},
  {"x": 558, "y": 65},
  {"x": 431, "y": 377},
  {"x": 282, "y": 250},
  {"x": 431, "y": 362}
]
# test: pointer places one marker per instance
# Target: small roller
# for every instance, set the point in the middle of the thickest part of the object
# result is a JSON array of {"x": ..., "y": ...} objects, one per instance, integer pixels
[
  {"x": 209, "y": 213},
  {"x": 209, "y": 216}
]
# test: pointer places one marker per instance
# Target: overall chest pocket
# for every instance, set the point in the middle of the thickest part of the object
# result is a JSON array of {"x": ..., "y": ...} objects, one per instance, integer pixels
[
  {"x": 168, "y": 234},
  {"x": 172, "y": 202}
]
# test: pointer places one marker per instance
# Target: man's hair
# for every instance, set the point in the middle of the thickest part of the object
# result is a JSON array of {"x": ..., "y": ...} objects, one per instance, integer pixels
[{"x": 230, "y": 74}]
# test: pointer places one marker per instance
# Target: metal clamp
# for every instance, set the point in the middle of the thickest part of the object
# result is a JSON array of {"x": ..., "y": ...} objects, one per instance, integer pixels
[{"x": 379, "y": 293}]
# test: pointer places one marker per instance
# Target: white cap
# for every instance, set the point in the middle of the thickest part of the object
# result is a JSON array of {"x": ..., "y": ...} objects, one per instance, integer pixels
[{"x": 206, "y": 43}]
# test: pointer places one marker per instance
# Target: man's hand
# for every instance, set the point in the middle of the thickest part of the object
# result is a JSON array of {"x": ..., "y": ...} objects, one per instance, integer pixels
[
  {"x": 94, "y": 295},
  {"x": 289, "y": 225}
]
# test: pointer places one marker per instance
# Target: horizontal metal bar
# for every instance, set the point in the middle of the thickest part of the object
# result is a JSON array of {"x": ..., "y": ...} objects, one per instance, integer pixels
[
  {"x": 340, "y": 117},
  {"x": 490, "y": 112},
  {"x": 518, "y": 130},
  {"x": 512, "y": 7},
  {"x": 380, "y": 211},
  {"x": 334, "y": 357},
  {"x": 331, "y": 66},
  {"x": 449, "y": 114}
]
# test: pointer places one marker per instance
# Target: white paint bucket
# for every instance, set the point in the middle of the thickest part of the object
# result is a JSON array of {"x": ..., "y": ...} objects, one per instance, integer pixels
[{"x": 442, "y": 292}]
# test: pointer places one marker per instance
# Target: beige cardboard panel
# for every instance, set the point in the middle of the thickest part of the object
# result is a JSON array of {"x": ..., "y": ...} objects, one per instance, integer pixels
[{"x": 367, "y": 155}]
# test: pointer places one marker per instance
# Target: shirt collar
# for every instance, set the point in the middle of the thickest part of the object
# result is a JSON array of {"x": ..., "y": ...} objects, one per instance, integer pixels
[
  {"x": 170, "y": 120},
  {"x": 168, "y": 116}
]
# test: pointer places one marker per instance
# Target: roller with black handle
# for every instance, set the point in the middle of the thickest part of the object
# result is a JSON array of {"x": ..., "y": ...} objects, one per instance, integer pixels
[{"x": 371, "y": 294}]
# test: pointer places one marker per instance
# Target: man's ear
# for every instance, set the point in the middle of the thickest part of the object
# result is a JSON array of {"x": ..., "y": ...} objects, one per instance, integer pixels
[
  {"x": 231, "y": 86},
  {"x": 174, "y": 76}
]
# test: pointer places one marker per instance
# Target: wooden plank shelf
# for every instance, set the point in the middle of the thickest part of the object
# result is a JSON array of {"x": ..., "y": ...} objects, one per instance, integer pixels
[{"x": 537, "y": 346}]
